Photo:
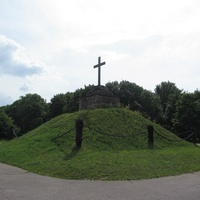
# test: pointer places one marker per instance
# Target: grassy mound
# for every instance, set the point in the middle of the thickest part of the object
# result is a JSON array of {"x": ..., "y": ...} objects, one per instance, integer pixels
[{"x": 114, "y": 147}]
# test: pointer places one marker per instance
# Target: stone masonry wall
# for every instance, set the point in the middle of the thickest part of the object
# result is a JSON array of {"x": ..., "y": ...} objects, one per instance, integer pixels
[{"x": 98, "y": 101}]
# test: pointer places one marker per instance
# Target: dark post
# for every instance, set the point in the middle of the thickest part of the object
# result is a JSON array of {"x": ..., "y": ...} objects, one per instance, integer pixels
[
  {"x": 150, "y": 137},
  {"x": 79, "y": 132}
]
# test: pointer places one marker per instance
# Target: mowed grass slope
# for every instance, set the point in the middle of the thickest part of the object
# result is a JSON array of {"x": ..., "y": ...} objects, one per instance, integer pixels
[{"x": 114, "y": 147}]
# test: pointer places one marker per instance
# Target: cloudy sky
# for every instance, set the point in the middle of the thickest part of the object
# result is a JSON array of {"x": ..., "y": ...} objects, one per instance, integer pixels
[{"x": 50, "y": 46}]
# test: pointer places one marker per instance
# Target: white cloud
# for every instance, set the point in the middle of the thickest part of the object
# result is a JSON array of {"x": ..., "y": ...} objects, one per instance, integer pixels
[
  {"x": 97, "y": 22},
  {"x": 24, "y": 88},
  {"x": 145, "y": 42},
  {"x": 173, "y": 57},
  {"x": 13, "y": 60}
]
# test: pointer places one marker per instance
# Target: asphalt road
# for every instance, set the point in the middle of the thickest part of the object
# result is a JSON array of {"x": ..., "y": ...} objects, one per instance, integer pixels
[{"x": 18, "y": 184}]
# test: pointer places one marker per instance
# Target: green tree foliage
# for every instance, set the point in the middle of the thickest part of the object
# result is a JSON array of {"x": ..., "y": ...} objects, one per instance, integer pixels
[
  {"x": 71, "y": 104},
  {"x": 114, "y": 87},
  {"x": 7, "y": 128},
  {"x": 129, "y": 93},
  {"x": 28, "y": 112},
  {"x": 168, "y": 106},
  {"x": 165, "y": 90},
  {"x": 136, "y": 98},
  {"x": 57, "y": 104},
  {"x": 64, "y": 103},
  {"x": 187, "y": 116},
  {"x": 168, "y": 94},
  {"x": 151, "y": 106}
]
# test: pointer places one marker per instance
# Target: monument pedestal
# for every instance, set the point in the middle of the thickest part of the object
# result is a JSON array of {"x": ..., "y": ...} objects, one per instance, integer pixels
[{"x": 99, "y": 97}]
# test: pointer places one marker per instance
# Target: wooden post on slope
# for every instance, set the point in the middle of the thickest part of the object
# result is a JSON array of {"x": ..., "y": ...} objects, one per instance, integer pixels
[
  {"x": 79, "y": 132},
  {"x": 194, "y": 137},
  {"x": 150, "y": 136}
]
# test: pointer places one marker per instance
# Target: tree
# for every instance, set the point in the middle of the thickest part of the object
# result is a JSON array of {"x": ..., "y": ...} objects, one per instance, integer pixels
[
  {"x": 129, "y": 93},
  {"x": 28, "y": 112},
  {"x": 64, "y": 103},
  {"x": 57, "y": 104},
  {"x": 7, "y": 128},
  {"x": 151, "y": 106},
  {"x": 165, "y": 90},
  {"x": 187, "y": 113},
  {"x": 114, "y": 87},
  {"x": 168, "y": 94}
]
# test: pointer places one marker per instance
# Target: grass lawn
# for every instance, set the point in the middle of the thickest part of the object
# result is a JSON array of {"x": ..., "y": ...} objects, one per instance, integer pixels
[{"x": 101, "y": 157}]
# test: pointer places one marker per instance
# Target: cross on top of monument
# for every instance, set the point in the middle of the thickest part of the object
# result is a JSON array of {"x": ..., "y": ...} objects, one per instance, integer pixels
[{"x": 99, "y": 69}]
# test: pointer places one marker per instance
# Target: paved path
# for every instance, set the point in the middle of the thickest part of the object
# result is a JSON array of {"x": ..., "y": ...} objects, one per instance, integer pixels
[{"x": 18, "y": 184}]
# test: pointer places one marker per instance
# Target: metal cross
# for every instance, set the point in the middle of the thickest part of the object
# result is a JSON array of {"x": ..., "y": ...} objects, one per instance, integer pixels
[{"x": 99, "y": 69}]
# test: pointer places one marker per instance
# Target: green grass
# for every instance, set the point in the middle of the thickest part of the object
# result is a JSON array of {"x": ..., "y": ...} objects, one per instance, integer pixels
[{"x": 101, "y": 157}]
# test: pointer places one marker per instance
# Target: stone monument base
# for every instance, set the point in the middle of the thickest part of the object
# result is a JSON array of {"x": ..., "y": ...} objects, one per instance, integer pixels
[{"x": 99, "y": 97}]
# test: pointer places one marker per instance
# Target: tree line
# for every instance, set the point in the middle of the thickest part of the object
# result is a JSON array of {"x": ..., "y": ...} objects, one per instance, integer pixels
[{"x": 172, "y": 108}]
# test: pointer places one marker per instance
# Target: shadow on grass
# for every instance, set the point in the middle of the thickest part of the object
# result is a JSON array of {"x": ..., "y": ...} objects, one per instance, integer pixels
[{"x": 73, "y": 153}]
